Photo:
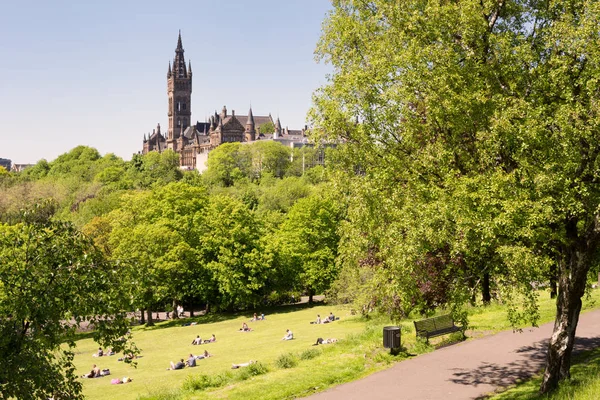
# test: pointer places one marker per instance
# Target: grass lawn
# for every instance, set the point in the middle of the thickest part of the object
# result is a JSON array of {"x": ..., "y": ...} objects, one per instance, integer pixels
[
  {"x": 584, "y": 383},
  {"x": 311, "y": 368}
]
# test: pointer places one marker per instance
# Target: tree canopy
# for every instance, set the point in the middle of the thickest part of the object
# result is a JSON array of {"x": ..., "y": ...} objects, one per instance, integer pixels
[
  {"x": 474, "y": 126},
  {"x": 53, "y": 280}
]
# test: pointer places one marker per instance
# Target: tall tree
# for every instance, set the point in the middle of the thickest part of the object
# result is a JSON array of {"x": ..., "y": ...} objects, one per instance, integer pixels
[
  {"x": 489, "y": 107},
  {"x": 53, "y": 280},
  {"x": 307, "y": 243}
]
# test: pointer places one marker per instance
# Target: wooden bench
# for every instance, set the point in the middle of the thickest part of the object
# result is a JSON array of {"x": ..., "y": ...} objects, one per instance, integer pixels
[{"x": 436, "y": 326}]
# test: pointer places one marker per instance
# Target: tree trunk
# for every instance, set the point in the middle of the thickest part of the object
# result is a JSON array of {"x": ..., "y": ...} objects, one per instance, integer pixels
[
  {"x": 553, "y": 284},
  {"x": 485, "y": 288},
  {"x": 174, "y": 313},
  {"x": 571, "y": 287},
  {"x": 191, "y": 312},
  {"x": 150, "y": 320},
  {"x": 142, "y": 317},
  {"x": 310, "y": 296}
]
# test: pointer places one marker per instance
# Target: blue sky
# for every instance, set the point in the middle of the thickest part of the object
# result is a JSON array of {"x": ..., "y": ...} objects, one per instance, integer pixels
[{"x": 94, "y": 73}]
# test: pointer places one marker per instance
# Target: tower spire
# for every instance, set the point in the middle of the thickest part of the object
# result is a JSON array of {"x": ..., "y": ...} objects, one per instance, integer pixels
[
  {"x": 179, "y": 68},
  {"x": 179, "y": 45},
  {"x": 169, "y": 72}
]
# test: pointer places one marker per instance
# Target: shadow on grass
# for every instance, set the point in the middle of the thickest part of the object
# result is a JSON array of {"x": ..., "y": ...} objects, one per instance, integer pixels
[
  {"x": 226, "y": 316},
  {"x": 513, "y": 372}
]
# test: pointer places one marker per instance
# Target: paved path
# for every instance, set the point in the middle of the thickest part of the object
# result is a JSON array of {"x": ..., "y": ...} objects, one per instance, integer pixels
[{"x": 467, "y": 370}]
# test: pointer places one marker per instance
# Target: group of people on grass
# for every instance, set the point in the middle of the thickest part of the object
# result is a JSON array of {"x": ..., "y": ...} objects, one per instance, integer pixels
[
  {"x": 190, "y": 362},
  {"x": 198, "y": 340},
  {"x": 330, "y": 318},
  {"x": 101, "y": 352}
]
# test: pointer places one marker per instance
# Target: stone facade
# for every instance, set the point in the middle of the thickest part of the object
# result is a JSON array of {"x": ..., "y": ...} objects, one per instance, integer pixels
[{"x": 194, "y": 142}]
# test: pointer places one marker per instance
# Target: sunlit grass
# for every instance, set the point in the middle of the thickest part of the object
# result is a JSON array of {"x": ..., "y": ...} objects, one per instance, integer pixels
[{"x": 358, "y": 353}]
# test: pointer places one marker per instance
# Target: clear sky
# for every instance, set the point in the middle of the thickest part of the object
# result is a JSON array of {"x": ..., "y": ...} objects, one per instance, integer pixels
[{"x": 94, "y": 72}]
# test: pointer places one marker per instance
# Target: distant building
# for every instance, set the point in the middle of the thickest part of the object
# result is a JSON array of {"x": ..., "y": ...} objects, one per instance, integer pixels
[
  {"x": 21, "y": 167},
  {"x": 194, "y": 142},
  {"x": 6, "y": 163}
]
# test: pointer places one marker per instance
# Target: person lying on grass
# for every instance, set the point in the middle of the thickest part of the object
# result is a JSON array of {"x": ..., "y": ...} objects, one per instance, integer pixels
[
  {"x": 203, "y": 356},
  {"x": 179, "y": 365},
  {"x": 236, "y": 366},
  {"x": 325, "y": 341},
  {"x": 288, "y": 335},
  {"x": 245, "y": 328}
]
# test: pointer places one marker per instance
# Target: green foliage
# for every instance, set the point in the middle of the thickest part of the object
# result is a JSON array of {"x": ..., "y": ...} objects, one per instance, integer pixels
[
  {"x": 252, "y": 370},
  {"x": 287, "y": 360},
  {"x": 267, "y": 127},
  {"x": 307, "y": 243},
  {"x": 51, "y": 273},
  {"x": 471, "y": 152},
  {"x": 309, "y": 354}
]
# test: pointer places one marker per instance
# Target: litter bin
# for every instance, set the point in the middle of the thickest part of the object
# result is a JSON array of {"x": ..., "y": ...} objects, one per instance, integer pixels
[{"x": 391, "y": 337}]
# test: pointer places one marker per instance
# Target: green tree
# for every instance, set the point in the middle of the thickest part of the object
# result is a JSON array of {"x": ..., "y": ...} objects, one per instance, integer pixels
[
  {"x": 52, "y": 280},
  {"x": 231, "y": 249},
  {"x": 160, "y": 233},
  {"x": 267, "y": 127},
  {"x": 307, "y": 243},
  {"x": 227, "y": 163},
  {"x": 269, "y": 157},
  {"x": 470, "y": 115}
]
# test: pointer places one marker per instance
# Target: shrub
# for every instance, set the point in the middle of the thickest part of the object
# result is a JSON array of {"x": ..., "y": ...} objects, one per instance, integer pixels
[
  {"x": 309, "y": 354},
  {"x": 251, "y": 370},
  {"x": 286, "y": 361},
  {"x": 202, "y": 381}
]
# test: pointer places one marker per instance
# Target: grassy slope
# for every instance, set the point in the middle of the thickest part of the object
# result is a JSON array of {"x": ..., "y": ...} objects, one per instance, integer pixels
[
  {"x": 357, "y": 355},
  {"x": 170, "y": 342}
]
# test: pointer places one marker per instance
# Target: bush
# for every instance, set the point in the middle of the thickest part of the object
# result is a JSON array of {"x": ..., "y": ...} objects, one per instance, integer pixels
[
  {"x": 251, "y": 370},
  {"x": 201, "y": 382},
  {"x": 309, "y": 354},
  {"x": 286, "y": 361}
]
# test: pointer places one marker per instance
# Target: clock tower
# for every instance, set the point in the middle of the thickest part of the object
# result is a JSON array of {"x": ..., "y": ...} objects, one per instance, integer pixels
[{"x": 179, "y": 90}]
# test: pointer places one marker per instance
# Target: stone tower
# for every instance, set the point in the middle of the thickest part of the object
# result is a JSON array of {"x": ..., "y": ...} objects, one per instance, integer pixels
[
  {"x": 250, "y": 132},
  {"x": 179, "y": 89}
]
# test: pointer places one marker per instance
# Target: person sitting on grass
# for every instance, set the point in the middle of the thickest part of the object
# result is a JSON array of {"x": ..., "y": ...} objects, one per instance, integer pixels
[
  {"x": 203, "y": 356},
  {"x": 196, "y": 341},
  {"x": 288, "y": 335},
  {"x": 191, "y": 361},
  {"x": 212, "y": 339},
  {"x": 100, "y": 353},
  {"x": 329, "y": 319},
  {"x": 254, "y": 317},
  {"x": 94, "y": 373},
  {"x": 245, "y": 328},
  {"x": 318, "y": 320},
  {"x": 236, "y": 366},
  {"x": 179, "y": 365}
]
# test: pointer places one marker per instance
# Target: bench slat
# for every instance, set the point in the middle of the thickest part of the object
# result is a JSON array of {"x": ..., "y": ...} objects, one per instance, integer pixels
[{"x": 436, "y": 326}]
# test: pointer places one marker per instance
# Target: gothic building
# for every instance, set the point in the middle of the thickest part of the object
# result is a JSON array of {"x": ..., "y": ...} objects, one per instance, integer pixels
[{"x": 193, "y": 142}]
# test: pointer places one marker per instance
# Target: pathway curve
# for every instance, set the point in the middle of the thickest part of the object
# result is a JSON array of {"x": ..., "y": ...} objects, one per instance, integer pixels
[{"x": 468, "y": 370}]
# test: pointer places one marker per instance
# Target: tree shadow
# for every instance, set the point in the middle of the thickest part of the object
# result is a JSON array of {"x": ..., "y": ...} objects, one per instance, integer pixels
[
  {"x": 222, "y": 316},
  {"x": 503, "y": 375}
]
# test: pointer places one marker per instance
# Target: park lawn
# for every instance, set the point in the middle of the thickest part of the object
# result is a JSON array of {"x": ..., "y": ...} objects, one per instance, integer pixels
[
  {"x": 358, "y": 353},
  {"x": 169, "y": 341},
  {"x": 584, "y": 383}
]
